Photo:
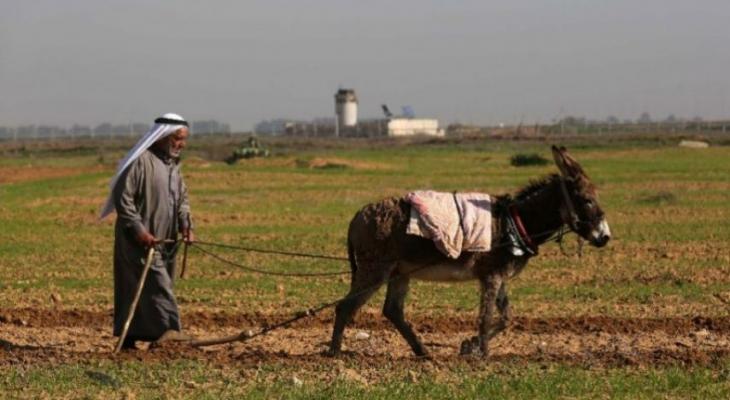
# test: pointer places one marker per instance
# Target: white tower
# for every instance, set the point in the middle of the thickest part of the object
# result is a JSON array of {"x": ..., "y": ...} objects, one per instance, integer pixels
[{"x": 346, "y": 107}]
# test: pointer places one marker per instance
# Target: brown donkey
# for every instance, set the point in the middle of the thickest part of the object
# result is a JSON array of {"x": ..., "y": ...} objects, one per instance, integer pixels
[{"x": 380, "y": 250}]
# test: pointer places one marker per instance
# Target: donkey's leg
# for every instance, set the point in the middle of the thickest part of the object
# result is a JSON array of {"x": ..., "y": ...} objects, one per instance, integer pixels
[
  {"x": 364, "y": 284},
  {"x": 490, "y": 287},
  {"x": 344, "y": 312},
  {"x": 503, "y": 302},
  {"x": 393, "y": 310},
  {"x": 505, "y": 311}
]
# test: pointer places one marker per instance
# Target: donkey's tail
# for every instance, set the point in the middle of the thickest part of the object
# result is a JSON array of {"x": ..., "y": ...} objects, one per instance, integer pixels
[{"x": 353, "y": 260}]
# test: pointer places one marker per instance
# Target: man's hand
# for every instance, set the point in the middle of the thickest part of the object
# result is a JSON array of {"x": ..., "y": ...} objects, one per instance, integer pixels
[
  {"x": 146, "y": 239},
  {"x": 188, "y": 236}
]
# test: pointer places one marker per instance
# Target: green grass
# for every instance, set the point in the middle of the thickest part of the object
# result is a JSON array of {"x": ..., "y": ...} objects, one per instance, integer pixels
[
  {"x": 664, "y": 253},
  {"x": 50, "y": 225},
  {"x": 190, "y": 379}
]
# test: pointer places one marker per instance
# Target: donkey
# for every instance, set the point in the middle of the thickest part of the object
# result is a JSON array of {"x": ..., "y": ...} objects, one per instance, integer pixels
[{"x": 380, "y": 251}]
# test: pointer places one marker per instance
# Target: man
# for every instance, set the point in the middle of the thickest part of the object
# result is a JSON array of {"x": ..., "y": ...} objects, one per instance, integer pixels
[{"x": 151, "y": 201}]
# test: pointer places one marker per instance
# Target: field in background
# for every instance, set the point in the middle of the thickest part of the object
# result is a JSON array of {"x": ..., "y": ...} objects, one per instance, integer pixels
[{"x": 647, "y": 316}]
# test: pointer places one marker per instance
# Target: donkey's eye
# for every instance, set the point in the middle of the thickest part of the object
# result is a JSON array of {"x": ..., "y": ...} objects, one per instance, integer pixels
[{"x": 590, "y": 204}]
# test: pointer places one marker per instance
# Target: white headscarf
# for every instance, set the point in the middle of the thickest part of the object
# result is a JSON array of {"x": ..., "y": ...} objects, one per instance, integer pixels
[{"x": 164, "y": 126}]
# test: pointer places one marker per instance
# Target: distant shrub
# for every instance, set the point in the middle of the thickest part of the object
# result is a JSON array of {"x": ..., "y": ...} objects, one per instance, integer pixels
[
  {"x": 659, "y": 198},
  {"x": 524, "y": 160}
]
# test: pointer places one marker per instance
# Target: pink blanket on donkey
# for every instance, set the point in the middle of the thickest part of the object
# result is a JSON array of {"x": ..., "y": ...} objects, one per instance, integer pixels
[{"x": 456, "y": 222}]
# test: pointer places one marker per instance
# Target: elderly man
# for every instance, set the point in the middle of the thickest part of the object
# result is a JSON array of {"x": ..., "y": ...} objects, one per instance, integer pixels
[{"x": 151, "y": 201}]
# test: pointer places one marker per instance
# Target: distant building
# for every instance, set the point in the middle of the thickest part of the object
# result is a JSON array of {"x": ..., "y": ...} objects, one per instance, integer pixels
[
  {"x": 210, "y": 126},
  {"x": 414, "y": 126},
  {"x": 270, "y": 127},
  {"x": 346, "y": 124},
  {"x": 379, "y": 127}
]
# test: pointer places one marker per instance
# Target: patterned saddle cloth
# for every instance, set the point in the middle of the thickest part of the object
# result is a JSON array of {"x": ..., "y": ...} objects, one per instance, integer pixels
[{"x": 455, "y": 222}]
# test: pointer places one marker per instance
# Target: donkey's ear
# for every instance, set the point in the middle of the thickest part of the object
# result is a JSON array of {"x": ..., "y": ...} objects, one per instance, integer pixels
[
  {"x": 566, "y": 164},
  {"x": 560, "y": 161}
]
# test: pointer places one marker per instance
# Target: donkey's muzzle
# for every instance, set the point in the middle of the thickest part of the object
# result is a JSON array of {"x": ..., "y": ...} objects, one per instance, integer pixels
[
  {"x": 601, "y": 241},
  {"x": 601, "y": 235}
]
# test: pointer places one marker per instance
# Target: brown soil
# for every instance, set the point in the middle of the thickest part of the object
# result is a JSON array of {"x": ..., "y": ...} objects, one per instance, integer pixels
[
  {"x": 52, "y": 318},
  {"x": 34, "y": 173},
  {"x": 337, "y": 163},
  {"x": 31, "y": 336}
]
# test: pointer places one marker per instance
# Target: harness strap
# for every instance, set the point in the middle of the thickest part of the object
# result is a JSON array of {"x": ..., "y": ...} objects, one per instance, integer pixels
[
  {"x": 572, "y": 217},
  {"x": 461, "y": 214},
  {"x": 522, "y": 234}
]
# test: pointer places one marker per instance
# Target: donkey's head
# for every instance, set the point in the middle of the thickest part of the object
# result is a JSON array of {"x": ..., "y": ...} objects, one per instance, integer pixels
[{"x": 580, "y": 209}]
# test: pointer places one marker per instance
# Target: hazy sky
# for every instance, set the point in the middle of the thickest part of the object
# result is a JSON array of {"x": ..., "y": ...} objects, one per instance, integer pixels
[{"x": 90, "y": 61}]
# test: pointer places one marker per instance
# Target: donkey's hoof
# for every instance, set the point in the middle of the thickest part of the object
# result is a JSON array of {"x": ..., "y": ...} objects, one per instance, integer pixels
[
  {"x": 465, "y": 349},
  {"x": 469, "y": 346},
  {"x": 331, "y": 352},
  {"x": 472, "y": 347}
]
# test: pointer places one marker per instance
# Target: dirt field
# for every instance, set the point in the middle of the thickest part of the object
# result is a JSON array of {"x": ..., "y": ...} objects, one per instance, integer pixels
[{"x": 33, "y": 336}]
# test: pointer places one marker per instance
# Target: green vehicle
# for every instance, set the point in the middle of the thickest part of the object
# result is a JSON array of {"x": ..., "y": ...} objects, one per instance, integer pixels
[{"x": 249, "y": 149}]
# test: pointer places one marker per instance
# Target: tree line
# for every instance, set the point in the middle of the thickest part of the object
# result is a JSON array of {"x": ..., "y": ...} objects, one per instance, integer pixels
[{"x": 104, "y": 129}]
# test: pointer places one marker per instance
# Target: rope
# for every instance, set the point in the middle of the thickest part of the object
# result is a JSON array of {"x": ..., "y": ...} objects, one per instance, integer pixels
[
  {"x": 264, "y": 251},
  {"x": 245, "y": 335},
  {"x": 553, "y": 235},
  {"x": 261, "y": 271}
]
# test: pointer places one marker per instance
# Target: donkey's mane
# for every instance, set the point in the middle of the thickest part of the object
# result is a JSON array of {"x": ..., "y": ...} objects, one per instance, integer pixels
[{"x": 534, "y": 187}]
